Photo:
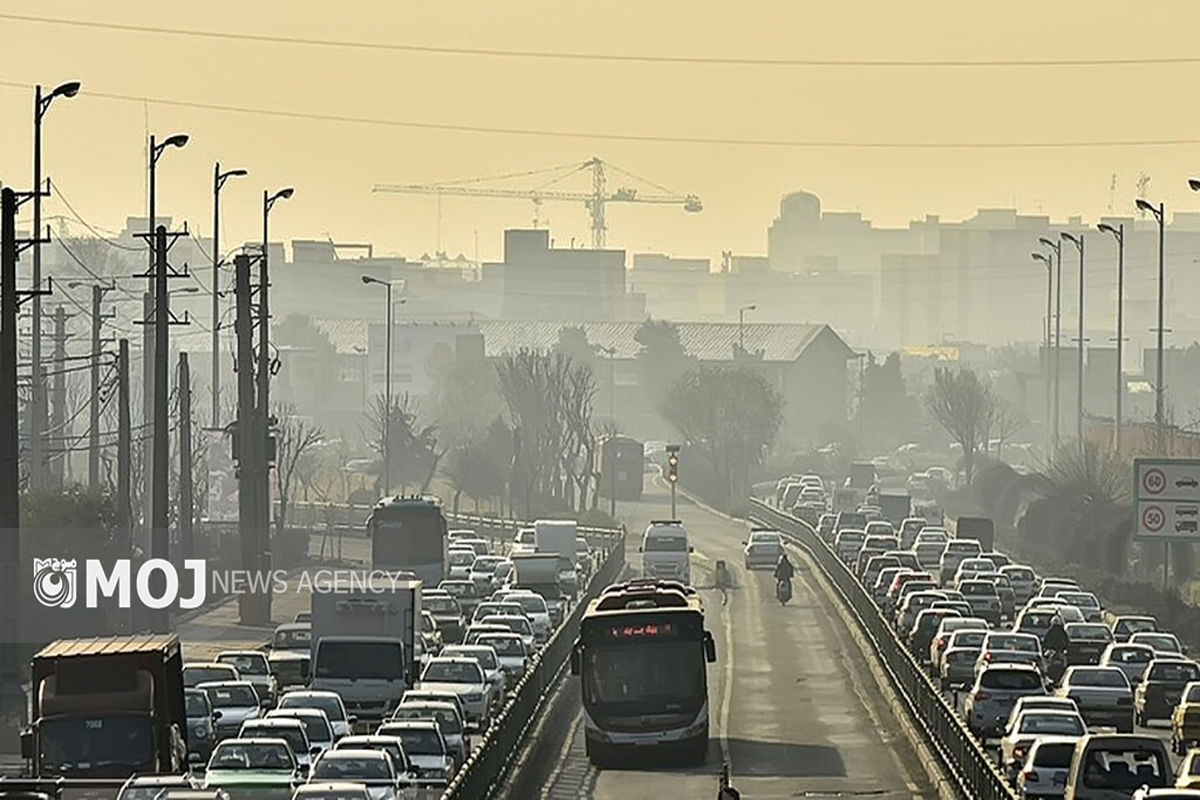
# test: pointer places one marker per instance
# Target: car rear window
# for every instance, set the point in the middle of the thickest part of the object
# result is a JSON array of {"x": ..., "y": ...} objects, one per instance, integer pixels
[
  {"x": 1022, "y": 575},
  {"x": 968, "y": 639},
  {"x": 1054, "y": 755},
  {"x": 1111, "y": 678},
  {"x": 1175, "y": 673},
  {"x": 1010, "y": 680},
  {"x": 1028, "y": 644},
  {"x": 977, "y": 587},
  {"x": 1093, "y": 632}
]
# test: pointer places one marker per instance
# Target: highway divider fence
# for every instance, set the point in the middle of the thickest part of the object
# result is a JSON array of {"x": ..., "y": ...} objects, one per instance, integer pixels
[
  {"x": 958, "y": 750},
  {"x": 493, "y": 755}
]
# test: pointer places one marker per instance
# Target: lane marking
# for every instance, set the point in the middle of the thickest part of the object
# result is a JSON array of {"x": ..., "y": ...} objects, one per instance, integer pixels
[{"x": 727, "y": 691}]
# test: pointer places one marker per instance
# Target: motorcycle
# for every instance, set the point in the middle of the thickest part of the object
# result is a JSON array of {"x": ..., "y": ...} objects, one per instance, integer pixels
[{"x": 783, "y": 591}]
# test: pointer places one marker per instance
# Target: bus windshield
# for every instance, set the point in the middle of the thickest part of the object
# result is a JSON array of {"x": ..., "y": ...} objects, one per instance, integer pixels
[{"x": 645, "y": 678}]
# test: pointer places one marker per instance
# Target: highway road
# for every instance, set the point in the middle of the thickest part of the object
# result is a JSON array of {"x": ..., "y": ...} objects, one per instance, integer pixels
[{"x": 794, "y": 709}]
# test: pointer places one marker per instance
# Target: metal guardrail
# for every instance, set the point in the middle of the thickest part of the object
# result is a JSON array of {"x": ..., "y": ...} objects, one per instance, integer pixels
[
  {"x": 491, "y": 758},
  {"x": 958, "y": 750}
]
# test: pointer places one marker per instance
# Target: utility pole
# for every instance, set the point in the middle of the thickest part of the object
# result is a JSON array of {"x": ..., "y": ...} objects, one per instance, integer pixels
[
  {"x": 147, "y": 417},
  {"x": 248, "y": 436},
  {"x": 124, "y": 451},
  {"x": 1078, "y": 242},
  {"x": 186, "y": 505},
  {"x": 94, "y": 406},
  {"x": 12, "y": 701},
  {"x": 219, "y": 179},
  {"x": 58, "y": 421}
]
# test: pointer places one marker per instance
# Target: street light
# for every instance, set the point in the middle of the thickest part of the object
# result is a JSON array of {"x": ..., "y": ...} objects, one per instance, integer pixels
[
  {"x": 611, "y": 352},
  {"x": 219, "y": 179},
  {"x": 1160, "y": 216},
  {"x": 742, "y": 325},
  {"x": 41, "y": 104},
  {"x": 1078, "y": 242},
  {"x": 1119, "y": 234},
  {"x": 1049, "y": 264},
  {"x": 264, "y": 328},
  {"x": 387, "y": 381},
  {"x": 1056, "y": 246}
]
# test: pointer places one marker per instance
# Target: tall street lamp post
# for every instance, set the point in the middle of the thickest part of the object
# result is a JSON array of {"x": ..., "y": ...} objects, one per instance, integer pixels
[
  {"x": 742, "y": 325},
  {"x": 219, "y": 179},
  {"x": 387, "y": 382},
  {"x": 1078, "y": 242},
  {"x": 1056, "y": 246},
  {"x": 1049, "y": 264},
  {"x": 1160, "y": 217},
  {"x": 37, "y": 416},
  {"x": 1118, "y": 233}
]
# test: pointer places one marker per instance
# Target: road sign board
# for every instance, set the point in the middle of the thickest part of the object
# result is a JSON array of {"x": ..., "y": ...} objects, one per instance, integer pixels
[{"x": 1167, "y": 498}]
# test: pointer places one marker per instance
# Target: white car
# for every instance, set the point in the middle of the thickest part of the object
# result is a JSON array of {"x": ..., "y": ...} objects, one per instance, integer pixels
[
  {"x": 316, "y": 725},
  {"x": 1132, "y": 659},
  {"x": 997, "y": 688},
  {"x": 517, "y": 624},
  {"x": 1031, "y": 725},
  {"x": 290, "y": 730},
  {"x": 448, "y": 718},
  {"x": 489, "y": 661},
  {"x": 459, "y": 562},
  {"x": 464, "y": 677},
  {"x": 483, "y": 571},
  {"x": 329, "y": 702},
  {"x": 371, "y": 768},
  {"x": 236, "y": 701},
  {"x": 534, "y": 606},
  {"x": 252, "y": 666},
  {"x": 1047, "y": 763},
  {"x": 511, "y": 652},
  {"x": 1161, "y": 642},
  {"x": 525, "y": 541},
  {"x": 763, "y": 549},
  {"x": 426, "y": 749}
]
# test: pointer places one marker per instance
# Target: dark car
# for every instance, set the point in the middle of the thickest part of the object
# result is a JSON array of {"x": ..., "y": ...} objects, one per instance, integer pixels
[
  {"x": 925, "y": 628},
  {"x": 1086, "y": 642},
  {"x": 1162, "y": 684}
]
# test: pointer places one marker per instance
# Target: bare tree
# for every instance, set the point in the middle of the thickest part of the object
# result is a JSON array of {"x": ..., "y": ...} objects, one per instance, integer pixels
[
  {"x": 1006, "y": 420},
  {"x": 295, "y": 438},
  {"x": 964, "y": 407}
]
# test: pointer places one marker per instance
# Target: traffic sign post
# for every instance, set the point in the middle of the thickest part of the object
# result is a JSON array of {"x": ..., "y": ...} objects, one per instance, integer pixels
[{"x": 1166, "y": 495}]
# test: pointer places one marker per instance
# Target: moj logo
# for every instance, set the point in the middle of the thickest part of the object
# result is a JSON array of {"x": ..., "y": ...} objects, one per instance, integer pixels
[{"x": 55, "y": 583}]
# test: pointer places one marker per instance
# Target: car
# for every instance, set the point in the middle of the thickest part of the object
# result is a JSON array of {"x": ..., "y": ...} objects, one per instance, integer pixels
[
  {"x": 391, "y": 745},
  {"x": 434, "y": 696},
  {"x": 291, "y": 668},
  {"x": 907, "y": 558},
  {"x": 483, "y": 571},
  {"x": 465, "y": 592},
  {"x": 291, "y": 731},
  {"x": 968, "y": 568},
  {"x": 1067, "y": 614},
  {"x": 506, "y": 570},
  {"x": 998, "y": 559},
  {"x": 1040, "y": 702},
  {"x": 1161, "y": 642},
  {"x": 925, "y": 628},
  {"x": 475, "y": 630},
  {"x": 1087, "y": 642},
  {"x": 1188, "y": 774},
  {"x": 144, "y": 787},
  {"x": 1129, "y": 658},
  {"x": 331, "y": 790},
  {"x": 1107, "y": 767},
  {"x": 490, "y": 663},
  {"x": 884, "y": 581},
  {"x": 371, "y": 768},
  {"x": 1185, "y": 719},
  {"x": 1023, "y": 581},
  {"x": 996, "y": 689},
  {"x": 848, "y": 543},
  {"x": 196, "y": 673},
  {"x": 446, "y": 715},
  {"x": 909, "y": 528},
  {"x": 481, "y": 546},
  {"x": 954, "y": 553},
  {"x": 1161, "y": 687},
  {"x": 1036, "y": 621},
  {"x": 524, "y": 541},
  {"x": 534, "y": 606},
  {"x": 1031, "y": 725},
  {"x": 252, "y": 666},
  {"x": 262, "y": 763},
  {"x": 464, "y": 677},
  {"x": 426, "y": 749},
  {"x": 956, "y": 661},
  {"x": 762, "y": 548},
  {"x": 929, "y": 544},
  {"x": 1086, "y": 602},
  {"x": 1102, "y": 694},
  {"x": 237, "y": 701},
  {"x": 511, "y": 653},
  {"x": 961, "y": 606},
  {"x": 518, "y": 624},
  {"x": 1012, "y": 647},
  {"x": 1125, "y": 626},
  {"x": 913, "y": 604},
  {"x": 491, "y": 607},
  {"x": 825, "y": 527},
  {"x": 875, "y": 565},
  {"x": 447, "y": 614},
  {"x": 330, "y": 702},
  {"x": 459, "y": 562},
  {"x": 1052, "y": 586},
  {"x": 316, "y": 726},
  {"x": 984, "y": 599},
  {"x": 201, "y": 724},
  {"x": 1004, "y": 591},
  {"x": 1047, "y": 764},
  {"x": 907, "y": 585},
  {"x": 292, "y": 636},
  {"x": 303, "y": 616}
]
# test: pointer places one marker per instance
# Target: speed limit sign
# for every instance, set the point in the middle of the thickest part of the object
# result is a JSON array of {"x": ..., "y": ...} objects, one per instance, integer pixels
[{"x": 1153, "y": 519}]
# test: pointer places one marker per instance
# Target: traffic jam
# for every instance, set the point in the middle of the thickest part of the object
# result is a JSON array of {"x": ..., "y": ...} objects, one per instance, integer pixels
[{"x": 1069, "y": 697}]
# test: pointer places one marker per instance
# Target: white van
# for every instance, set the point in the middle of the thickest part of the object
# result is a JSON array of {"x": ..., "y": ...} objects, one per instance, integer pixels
[{"x": 666, "y": 552}]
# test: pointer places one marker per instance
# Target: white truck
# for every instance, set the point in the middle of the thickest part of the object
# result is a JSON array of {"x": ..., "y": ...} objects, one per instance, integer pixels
[
  {"x": 558, "y": 537},
  {"x": 539, "y": 572},
  {"x": 364, "y": 648}
]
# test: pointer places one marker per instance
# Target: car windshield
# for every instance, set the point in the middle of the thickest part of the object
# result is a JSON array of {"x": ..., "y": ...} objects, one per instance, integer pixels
[
  {"x": 669, "y": 542},
  {"x": 1052, "y": 724},
  {"x": 418, "y": 741},
  {"x": 452, "y": 672},
  {"x": 231, "y": 696},
  {"x": 252, "y": 755},
  {"x": 1111, "y": 678},
  {"x": 485, "y": 657},
  {"x": 316, "y": 727},
  {"x": 1093, "y": 632},
  {"x": 293, "y": 637},
  {"x": 1174, "y": 672},
  {"x": 330, "y": 704},
  {"x": 196, "y": 705},
  {"x": 446, "y": 719},
  {"x": 764, "y": 537},
  {"x": 293, "y": 734},
  {"x": 1010, "y": 680},
  {"x": 1124, "y": 770},
  {"x": 245, "y": 664},
  {"x": 440, "y": 605},
  {"x": 334, "y": 767},
  {"x": 504, "y": 645}
]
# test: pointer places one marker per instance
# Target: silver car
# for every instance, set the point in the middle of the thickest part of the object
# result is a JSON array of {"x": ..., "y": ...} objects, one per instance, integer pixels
[
  {"x": 1131, "y": 659},
  {"x": 464, "y": 677},
  {"x": 995, "y": 691}
]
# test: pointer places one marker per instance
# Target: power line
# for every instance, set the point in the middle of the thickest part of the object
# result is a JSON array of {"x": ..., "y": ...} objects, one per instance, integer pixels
[
  {"x": 86, "y": 224},
  {"x": 815, "y": 144},
  {"x": 562, "y": 55}
]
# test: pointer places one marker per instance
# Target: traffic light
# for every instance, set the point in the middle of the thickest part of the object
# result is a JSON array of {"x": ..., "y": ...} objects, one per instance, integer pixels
[{"x": 673, "y": 467}]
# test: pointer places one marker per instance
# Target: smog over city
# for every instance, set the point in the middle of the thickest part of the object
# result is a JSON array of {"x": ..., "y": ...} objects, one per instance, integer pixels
[{"x": 599, "y": 400}]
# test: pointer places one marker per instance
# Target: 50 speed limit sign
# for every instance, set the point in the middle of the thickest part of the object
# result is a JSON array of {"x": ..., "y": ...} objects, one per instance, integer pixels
[{"x": 1153, "y": 518}]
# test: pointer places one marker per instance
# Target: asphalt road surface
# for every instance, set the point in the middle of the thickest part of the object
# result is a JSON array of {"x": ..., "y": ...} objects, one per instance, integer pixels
[{"x": 793, "y": 707}]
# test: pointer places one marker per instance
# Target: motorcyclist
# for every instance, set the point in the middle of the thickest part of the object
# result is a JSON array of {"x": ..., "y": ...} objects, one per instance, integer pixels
[
  {"x": 1056, "y": 641},
  {"x": 784, "y": 571}
]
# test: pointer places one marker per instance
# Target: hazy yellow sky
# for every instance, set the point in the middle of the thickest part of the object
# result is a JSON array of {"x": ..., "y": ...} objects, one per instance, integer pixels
[{"x": 94, "y": 146}]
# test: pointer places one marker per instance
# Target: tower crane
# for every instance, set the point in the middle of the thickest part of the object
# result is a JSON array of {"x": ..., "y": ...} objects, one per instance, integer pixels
[{"x": 595, "y": 201}]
